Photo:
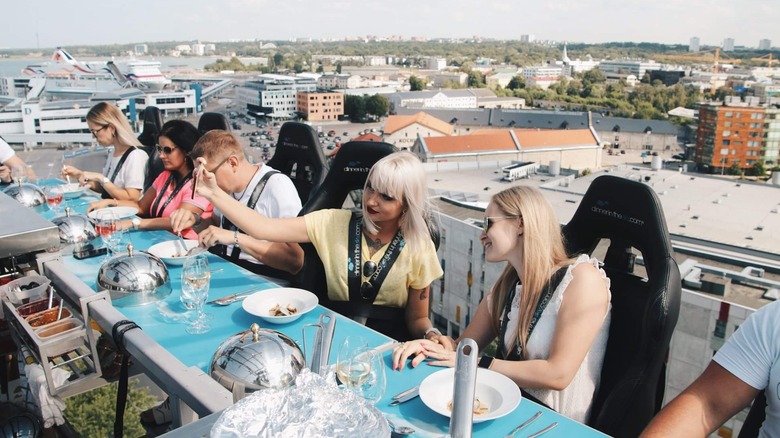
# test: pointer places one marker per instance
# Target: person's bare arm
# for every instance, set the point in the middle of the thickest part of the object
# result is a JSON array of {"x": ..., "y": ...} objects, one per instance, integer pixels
[{"x": 705, "y": 405}]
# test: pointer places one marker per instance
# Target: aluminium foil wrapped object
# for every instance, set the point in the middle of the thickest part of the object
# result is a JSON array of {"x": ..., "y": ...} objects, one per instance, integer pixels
[{"x": 312, "y": 407}]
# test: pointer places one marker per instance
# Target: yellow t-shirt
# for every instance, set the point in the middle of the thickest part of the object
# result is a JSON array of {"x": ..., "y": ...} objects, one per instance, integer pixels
[{"x": 328, "y": 232}]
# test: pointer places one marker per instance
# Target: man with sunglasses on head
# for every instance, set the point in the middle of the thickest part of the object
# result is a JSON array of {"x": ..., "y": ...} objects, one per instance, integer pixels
[{"x": 257, "y": 186}]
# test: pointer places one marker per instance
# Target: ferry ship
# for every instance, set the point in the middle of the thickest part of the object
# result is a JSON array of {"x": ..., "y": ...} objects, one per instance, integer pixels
[{"x": 145, "y": 74}]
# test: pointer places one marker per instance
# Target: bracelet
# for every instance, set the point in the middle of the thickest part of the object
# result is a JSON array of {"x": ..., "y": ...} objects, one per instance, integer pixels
[
  {"x": 433, "y": 330},
  {"x": 235, "y": 239},
  {"x": 485, "y": 362}
]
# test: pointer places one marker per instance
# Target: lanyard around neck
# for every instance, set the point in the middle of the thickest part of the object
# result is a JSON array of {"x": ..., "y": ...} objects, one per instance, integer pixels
[{"x": 368, "y": 291}]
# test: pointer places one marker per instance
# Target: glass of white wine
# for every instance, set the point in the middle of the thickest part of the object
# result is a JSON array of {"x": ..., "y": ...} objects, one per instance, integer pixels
[
  {"x": 373, "y": 389},
  {"x": 353, "y": 366},
  {"x": 195, "y": 279}
]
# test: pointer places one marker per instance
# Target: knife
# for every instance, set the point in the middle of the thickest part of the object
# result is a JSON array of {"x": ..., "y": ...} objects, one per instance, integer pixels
[
  {"x": 233, "y": 297},
  {"x": 405, "y": 396}
]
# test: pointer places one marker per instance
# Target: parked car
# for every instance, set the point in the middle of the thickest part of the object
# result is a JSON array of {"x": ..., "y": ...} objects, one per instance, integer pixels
[{"x": 331, "y": 133}]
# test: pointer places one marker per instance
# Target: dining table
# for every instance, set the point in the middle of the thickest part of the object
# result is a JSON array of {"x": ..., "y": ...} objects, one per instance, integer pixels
[{"x": 165, "y": 321}]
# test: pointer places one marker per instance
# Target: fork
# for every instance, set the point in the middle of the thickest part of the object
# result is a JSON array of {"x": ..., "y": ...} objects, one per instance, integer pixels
[
  {"x": 230, "y": 299},
  {"x": 526, "y": 423}
]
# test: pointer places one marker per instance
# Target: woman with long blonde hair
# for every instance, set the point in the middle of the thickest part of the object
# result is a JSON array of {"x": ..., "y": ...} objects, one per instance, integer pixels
[
  {"x": 124, "y": 172},
  {"x": 550, "y": 314},
  {"x": 378, "y": 264}
]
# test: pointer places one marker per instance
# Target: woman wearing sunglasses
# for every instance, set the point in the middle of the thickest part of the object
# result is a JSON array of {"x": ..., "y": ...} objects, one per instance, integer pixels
[
  {"x": 173, "y": 188},
  {"x": 550, "y": 314},
  {"x": 124, "y": 172},
  {"x": 378, "y": 264}
]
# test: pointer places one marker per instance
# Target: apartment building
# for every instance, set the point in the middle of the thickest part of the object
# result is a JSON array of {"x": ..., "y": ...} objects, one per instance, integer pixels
[
  {"x": 273, "y": 95},
  {"x": 338, "y": 81},
  {"x": 320, "y": 106},
  {"x": 432, "y": 99},
  {"x": 729, "y": 133},
  {"x": 770, "y": 150}
]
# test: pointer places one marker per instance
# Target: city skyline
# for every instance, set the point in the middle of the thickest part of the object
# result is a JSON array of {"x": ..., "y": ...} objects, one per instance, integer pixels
[{"x": 48, "y": 24}]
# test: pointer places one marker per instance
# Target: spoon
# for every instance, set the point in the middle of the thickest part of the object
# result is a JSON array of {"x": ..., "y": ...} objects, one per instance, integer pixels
[{"x": 399, "y": 431}]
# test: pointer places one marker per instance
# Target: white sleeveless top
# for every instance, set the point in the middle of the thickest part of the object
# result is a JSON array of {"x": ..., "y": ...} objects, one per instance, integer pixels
[{"x": 575, "y": 400}]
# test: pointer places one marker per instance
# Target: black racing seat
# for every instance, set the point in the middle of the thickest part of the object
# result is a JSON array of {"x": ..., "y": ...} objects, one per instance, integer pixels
[
  {"x": 645, "y": 307},
  {"x": 152, "y": 125},
  {"x": 347, "y": 175},
  {"x": 210, "y": 121},
  {"x": 299, "y": 155}
]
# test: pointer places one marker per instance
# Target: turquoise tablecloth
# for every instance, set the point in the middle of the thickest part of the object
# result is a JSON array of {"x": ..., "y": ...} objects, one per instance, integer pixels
[{"x": 163, "y": 322}]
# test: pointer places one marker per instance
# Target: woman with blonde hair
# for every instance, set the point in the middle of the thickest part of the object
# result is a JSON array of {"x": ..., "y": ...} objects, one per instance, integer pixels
[
  {"x": 549, "y": 313},
  {"x": 378, "y": 264},
  {"x": 124, "y": 172}
]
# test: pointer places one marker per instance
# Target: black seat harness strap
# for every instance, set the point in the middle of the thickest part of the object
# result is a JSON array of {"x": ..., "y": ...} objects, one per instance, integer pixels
[{"x": 118, "y": 334}]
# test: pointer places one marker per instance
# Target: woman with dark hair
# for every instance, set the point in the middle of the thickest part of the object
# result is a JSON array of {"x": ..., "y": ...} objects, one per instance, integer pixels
[
  {"x": 173, "y": 188},
  {"x": 124, "y": 172}
]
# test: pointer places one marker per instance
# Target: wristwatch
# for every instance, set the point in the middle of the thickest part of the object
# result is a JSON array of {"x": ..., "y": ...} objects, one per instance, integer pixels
[{"x": 136, "y": 223}]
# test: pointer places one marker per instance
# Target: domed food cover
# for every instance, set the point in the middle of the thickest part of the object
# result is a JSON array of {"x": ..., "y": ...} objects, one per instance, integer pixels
[
  {"x": 256, "y": 359},
  {"x": 74, "y": 228},
  {"x": 134, "y": 278},
  {"x": 29, "y": 195}
]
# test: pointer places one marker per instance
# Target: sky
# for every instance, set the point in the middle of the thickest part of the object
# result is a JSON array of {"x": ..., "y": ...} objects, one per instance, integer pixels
[{"x": 50, "y": 23}]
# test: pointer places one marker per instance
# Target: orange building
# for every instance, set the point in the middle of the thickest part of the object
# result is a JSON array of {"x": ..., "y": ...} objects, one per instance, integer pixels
[
  {"x": 729, "y": 135},
  {"x": 316, "y": 106}
]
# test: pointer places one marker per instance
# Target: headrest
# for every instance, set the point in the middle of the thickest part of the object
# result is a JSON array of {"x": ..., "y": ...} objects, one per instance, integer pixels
[
  {"x": 348, "y": 171},
  {"x": 211, "y": 121},
  {"x": 623, "y": 211},
  {"x": 152, "y": 125},
  {"x": 297, "y": 143}
]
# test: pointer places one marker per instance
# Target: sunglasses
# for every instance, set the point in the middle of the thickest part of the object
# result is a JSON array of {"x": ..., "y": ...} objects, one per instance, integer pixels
[
  {"x": 167, "y": 150},
  {"x": 95, "y": 131},
  {"x": 489, "y": 221},
  {"x": 367, "y": 288}
]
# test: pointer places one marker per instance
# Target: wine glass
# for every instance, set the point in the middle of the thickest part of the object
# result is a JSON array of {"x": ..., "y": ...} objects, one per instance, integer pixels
[
  {"x": 374, "y": 387},
  {"x": 19, "y": 173},
  {"x": 54, "y": 195},
  {"x": 105, "y": 226},
  {"x": 195, "y": 278},
  {"x": 353, "y": 366}
]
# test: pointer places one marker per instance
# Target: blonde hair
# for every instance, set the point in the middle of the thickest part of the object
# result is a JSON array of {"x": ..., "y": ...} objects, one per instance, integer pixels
[
  {"x": 401, "y": 176},
  {"x": 104, "y": 114},
  {"x": 543, "y": 253},
  {"x": 216, "y": 145}
]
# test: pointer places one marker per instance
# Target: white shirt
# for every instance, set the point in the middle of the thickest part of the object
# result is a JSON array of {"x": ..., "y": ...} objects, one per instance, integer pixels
[
  {"x": 5, "y": 151},
  {"x": 751, "y": 354},
  {"x": 278, "y": 200},
  {"x": 575, "y": 400},
  {"x": 133, "y": 171}
]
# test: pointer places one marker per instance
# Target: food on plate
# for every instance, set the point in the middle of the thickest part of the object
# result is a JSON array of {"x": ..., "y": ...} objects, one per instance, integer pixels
[
  {"x": 279, "y": 310},
  {"x": 480, "y": 408}
]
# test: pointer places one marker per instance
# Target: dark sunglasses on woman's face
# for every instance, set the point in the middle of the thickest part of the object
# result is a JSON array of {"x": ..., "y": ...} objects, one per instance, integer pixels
[{"x": 167, "y": 150}]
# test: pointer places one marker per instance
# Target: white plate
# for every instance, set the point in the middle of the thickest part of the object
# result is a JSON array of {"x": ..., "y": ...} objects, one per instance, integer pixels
[
  {"x": 73, "y": 190},
  {"x": 169, "y": 249},
  {"x": 496, "y": 390},
  {"x": 260, "y": 303},
  {"x": 120, "y": 212}
]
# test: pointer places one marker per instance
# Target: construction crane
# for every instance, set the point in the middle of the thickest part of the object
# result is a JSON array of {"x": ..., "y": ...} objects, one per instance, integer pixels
[
  {"x": 766, "y": 58},
  {"x": 702, "y": 56}
]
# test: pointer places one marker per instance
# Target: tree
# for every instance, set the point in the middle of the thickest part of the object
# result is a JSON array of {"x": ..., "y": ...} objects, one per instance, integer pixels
[
  {"x": 278, "y": 58},
  {"x": 355, "y": 107},
  {"x": 516, "y": 82},
  {"x": 594, "y": 76},
  {"x": 758, "y": 169},
  {"x": 416, "y": 84},
  {"x": 476, "y": 79},
  {"x": 377, "y": 105}
]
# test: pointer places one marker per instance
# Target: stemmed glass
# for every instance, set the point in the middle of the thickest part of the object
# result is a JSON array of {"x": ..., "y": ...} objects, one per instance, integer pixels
[
  {"x": 19, "y": 174},
  {"x": 353, "y": 366},
  {"x": 54, "y": 195},
  {"x": 195, "y": 278},
  {"x": 374, "y": 387},
  {"x": 106, "y": 228}
]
